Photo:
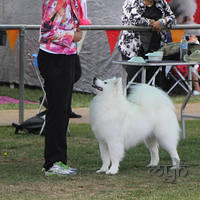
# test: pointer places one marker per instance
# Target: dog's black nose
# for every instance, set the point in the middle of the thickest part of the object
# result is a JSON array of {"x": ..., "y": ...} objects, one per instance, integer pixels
[{"x": 94, "y": 79}]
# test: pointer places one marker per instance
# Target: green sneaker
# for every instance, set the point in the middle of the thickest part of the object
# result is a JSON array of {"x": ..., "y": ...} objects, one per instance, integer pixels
[
  {"x": 59, "y": 168},
  {"x": 66, "y": 166}
]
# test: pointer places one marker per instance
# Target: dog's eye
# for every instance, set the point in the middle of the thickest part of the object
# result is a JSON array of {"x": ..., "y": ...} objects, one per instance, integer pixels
[{"x": 105, "y": 82}]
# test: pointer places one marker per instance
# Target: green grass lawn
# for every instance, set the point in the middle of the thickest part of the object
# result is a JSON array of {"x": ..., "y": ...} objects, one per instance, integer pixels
[{"x": 21, "y": 160}]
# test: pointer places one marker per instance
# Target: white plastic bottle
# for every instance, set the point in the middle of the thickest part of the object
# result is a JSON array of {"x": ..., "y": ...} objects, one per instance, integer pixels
[{"x": 183, "y": 48}]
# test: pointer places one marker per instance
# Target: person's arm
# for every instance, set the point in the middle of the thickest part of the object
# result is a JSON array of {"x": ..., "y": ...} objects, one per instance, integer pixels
[
  {"x": 84, "y": 18},
  {"x": 84, "y": 8},
  {"x": 169, "y": 17},
  {"x": 78, "y": 35},
  {"x": 167, "y": 20}
]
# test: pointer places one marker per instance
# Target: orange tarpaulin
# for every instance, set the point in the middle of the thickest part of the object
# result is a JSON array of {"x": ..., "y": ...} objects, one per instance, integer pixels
[
  {"x": 177, "y": 35},
  {"x": 12, "y": 37}
]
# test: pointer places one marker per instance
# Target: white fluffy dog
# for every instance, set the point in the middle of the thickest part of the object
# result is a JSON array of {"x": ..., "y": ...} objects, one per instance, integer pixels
[{"x": 119, "y": 123}]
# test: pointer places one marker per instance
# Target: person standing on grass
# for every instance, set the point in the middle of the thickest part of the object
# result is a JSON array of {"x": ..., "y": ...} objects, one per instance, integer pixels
[{"x": 59, "y": 35}]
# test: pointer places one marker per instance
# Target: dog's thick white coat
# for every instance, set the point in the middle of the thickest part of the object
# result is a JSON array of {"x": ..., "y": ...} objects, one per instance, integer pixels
[{"x": 119, "y": 123}]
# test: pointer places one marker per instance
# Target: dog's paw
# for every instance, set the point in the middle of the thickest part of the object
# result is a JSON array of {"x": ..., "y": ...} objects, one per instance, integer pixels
[
  {"x": 112, "y": 172},
  {"x": 152, "y": 165},
  {"x": 174, "y": 168}
]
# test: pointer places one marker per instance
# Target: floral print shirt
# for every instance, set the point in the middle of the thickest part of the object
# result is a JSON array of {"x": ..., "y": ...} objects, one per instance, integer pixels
[
  {"x": 59, "y": 22},
  {"x": 129, "y": 43}
]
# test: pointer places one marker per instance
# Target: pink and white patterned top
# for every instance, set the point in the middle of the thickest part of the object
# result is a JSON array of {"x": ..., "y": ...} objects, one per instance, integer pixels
[{"x": 60, "y": 19}]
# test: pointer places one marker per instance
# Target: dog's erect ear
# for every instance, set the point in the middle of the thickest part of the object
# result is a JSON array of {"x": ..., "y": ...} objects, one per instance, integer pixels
[
  {"x": 119, "y": 80},
  {"x": 114, "y": 78},
  {"x": 118, "y": 85}
]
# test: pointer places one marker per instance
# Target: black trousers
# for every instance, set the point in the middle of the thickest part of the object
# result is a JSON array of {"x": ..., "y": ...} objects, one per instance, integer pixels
[
  {"x": 58, "y": 73},
  {"x": 78, "y": 70},
  {"x": 77, "y": 74}
]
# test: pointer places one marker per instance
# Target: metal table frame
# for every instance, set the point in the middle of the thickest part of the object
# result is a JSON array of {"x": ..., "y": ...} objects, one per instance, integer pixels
[{"x": 172, "y": 63}]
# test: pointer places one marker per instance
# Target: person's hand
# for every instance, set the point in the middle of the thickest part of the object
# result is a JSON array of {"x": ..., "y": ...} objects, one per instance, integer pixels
[
  {"x": 78, "y": 35},
  {"x": 156, "y": 26},
  {"x": 193, "y": 39},
  {"x": 152, "y": 21}
]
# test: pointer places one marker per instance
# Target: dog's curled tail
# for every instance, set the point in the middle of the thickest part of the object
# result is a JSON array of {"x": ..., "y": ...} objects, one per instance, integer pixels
[{"x": 149, "y": 96}]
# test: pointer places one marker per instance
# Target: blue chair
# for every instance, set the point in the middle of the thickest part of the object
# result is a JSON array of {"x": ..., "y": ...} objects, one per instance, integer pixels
[{"x": 34, "y": 61}]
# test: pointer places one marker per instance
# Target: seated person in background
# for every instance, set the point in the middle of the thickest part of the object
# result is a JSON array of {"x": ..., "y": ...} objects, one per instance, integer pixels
[{"x": 195, "y": 79}]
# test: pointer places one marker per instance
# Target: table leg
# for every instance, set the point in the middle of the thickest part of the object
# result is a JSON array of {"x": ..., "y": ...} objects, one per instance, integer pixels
[
  {"x": 152, "y": 80},
  {"x": 190, "y": 76},
  {"x": 143, "y": 78},
  {"x": 124, "y": 79},
  {"x": 182, "y": 112}
]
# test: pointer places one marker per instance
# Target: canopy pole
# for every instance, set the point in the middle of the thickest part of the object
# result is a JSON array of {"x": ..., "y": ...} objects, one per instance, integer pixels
[{"x": 21, "y": 74}]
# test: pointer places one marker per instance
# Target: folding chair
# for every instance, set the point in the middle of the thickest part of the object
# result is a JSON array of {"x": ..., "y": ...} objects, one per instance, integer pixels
[
  {"x": 34, "y": 62},
  {"x": 179, "y": 75},
  {"x": 196, "y": 70}
]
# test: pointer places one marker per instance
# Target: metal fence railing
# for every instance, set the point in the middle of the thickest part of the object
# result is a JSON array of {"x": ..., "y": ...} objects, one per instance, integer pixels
[
  {"x": 136, "y": 28},
  {"x": 23, "y": 27}
]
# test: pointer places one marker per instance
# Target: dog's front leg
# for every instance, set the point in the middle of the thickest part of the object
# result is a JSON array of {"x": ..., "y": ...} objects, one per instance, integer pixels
[
  {"x": 105, "y": 157},
  {"x": 116, "y": 150}
]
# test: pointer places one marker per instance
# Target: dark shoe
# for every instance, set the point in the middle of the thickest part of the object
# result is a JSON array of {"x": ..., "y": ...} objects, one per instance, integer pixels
[{"x": 74, "y": 115}]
